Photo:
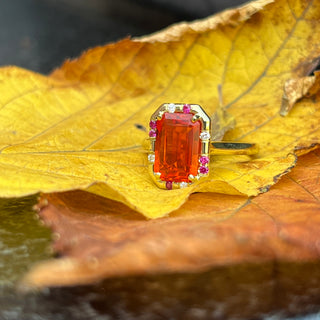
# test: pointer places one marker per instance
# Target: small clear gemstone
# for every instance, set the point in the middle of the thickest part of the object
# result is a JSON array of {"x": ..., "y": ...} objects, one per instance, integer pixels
[
  {"x": 204, "y": 135},
  {"x": 183, "y": 184},
  {"x": 171, "y": 107},
  {"x": 151, "y": 158},
  {"x": 186, "y": 108},
  {"x": 203, "y": 170},
  {"x": 152, "y": 133},
  {"x": 204, "y": 160}
]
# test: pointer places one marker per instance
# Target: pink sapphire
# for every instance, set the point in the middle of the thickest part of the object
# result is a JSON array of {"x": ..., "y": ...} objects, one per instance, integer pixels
[
  {"x": 203, "y": 170},
  {"x": 204, "y": 160},
  {"x": 152, "y": 133},
  {"x": 169, "y": 185},
  {"x": 153, "y": 124},
  {"x": 186, "y": 108}
]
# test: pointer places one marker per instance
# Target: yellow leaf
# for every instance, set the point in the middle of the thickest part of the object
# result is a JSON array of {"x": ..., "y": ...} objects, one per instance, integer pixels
[
  {"x": 98, "y": 238},
  {"x": 80, "y": 128}
]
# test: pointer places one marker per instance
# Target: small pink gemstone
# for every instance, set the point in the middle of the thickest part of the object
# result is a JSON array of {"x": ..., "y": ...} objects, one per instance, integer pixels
[
  {"x": 204, "y": 160},
  {"x": 169, "y": 185},
  {"x": 186, "y": 108},
  {"x": 152, "y": 133},
  {"x": 204, "y": 170},
  {"x": 153, "y": 124}
]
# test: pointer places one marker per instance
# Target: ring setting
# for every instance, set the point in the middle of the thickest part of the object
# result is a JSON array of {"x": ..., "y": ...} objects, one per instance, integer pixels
[{"x": 179, "y": 145}]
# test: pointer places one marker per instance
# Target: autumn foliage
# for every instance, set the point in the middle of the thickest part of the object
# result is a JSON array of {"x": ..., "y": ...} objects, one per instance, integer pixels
[{"x": 84, "y": 128}]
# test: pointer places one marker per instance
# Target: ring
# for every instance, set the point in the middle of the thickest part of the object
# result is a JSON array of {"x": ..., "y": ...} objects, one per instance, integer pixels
[{"x": 180, "y": 145}]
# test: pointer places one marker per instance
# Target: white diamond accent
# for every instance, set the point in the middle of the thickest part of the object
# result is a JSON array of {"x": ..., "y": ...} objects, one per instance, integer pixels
[
  {"x": 183, "y": 184},
  {"x": 151, "y": 158},
  {"x": 205, "y": 136},
  {"x": 171, "y": 107}
]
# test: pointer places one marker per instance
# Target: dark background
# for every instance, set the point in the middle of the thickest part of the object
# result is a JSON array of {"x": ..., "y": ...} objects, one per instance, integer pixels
[{"x": 39, "y": 35}]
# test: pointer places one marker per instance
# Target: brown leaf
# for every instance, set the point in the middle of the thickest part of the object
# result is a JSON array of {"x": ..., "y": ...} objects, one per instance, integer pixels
[
  {"x": 100, "y": 238},
  {"x": 298, "y": 88}
]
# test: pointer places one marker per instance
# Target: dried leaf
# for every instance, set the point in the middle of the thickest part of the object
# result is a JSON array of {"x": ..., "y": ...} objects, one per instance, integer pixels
[
  {"x": 82, "y": 127},
  {"x": 99, "y": 238},
  {"x": 295, "y": 89}
]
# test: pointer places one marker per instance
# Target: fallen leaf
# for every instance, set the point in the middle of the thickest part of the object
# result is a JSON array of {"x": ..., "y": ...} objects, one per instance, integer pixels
[
  {"x": 221, "y": 120},
  {"x": 99, "y": 238},
  {"x": 298, "y": 88},
  {"x": 82, "y": 126}
]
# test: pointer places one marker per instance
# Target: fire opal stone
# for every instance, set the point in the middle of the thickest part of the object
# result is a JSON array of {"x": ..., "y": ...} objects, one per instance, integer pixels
[{"x": 177, "y": 147}]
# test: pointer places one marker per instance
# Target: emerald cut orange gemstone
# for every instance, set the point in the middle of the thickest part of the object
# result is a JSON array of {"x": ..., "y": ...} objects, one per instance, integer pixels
[{"x": 177, "y": 147}]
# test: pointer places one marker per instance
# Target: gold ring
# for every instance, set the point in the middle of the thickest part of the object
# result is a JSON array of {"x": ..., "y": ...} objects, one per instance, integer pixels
[{"x": 180, "y": 145}]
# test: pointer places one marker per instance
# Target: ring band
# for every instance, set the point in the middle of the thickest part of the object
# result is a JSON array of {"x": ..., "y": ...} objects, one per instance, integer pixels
[
  {"x": 230, "y": 148},
  {"x": 180, "y": 145}
]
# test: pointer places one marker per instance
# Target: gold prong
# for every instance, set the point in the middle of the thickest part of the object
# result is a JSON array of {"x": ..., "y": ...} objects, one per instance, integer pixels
[
  {"x": 196, "y": 117},
  {"x": 160, "y": 114},
  {"x": 205, "y": 147},
  {"x": 153, "y": 142},
  {"x": 179, "y": 107},
  {"x": 175, "y": 185}
]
